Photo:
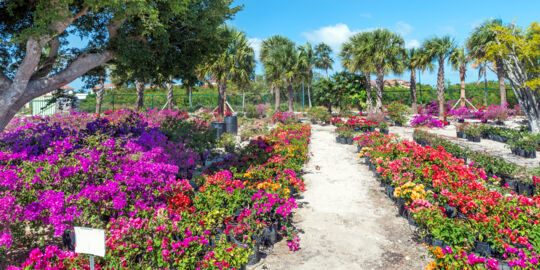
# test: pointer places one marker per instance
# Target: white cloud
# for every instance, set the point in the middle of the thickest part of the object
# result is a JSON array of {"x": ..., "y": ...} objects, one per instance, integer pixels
[
  {"x": 256, "y": 44},
  {"x": 403, "y": 28},
  {"x": 413, "y": 43},
  {"x": 333, "y": 35}
]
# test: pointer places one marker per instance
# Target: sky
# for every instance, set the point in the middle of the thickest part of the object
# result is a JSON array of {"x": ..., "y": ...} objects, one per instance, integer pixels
[{"x": 334, "y": 21}]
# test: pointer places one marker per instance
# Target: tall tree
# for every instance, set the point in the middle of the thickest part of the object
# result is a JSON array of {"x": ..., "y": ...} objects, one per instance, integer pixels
[
  {"x": 386, "y": 50},
  {"x": 323, "y": 60},
  {"x": 355, "y": 57},
  {"x": 307, "y": 62},
  {"x": 271, "y": 51},
  {"x": 417, "y": 60},
  {"x": 519, "y": 51},
  {"x": 440, "y": 48},
  {"x": 480, "y": 39},
  {"x": 95, "y": 79},
  {"x": 234, "y": 63},
  {"x": 38, "y": 59},
  {"x": 459, "y": 60}
]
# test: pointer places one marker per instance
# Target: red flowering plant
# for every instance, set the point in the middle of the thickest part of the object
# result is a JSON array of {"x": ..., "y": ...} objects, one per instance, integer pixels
[{"x": 504, "y": 221}]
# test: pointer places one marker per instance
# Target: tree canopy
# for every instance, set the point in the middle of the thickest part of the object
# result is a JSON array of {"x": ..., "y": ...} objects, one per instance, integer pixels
[{"x": 36, "y": 57}]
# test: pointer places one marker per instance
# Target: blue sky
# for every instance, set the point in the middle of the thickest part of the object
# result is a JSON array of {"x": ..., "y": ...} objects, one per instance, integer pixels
[{"x": 334, "y": 21}]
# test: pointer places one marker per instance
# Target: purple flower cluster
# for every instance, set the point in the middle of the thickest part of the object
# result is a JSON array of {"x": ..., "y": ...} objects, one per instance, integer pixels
[
  {"x": 67, "y": 170},
  {"x": 426, "y": 120}
]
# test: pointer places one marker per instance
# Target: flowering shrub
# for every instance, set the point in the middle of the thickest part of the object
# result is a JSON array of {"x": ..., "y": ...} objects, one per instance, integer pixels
[
  {"x": 507, "y": 222},
  {"x": 426, "y": 120},
  {"x": 122, "y": 173},
  {"x": 285, "y": 118},
  {"x": 497, "y": 112}
]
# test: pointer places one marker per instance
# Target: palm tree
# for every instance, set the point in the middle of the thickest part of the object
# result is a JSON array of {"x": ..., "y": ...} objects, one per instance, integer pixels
[
  {"x": 481, "y": 38},
  {"x": 355, "y": 57},
  {"x": 439, "y": 48},
  {"x": 235, "y": 63},
  {"x": 278, "y": 54},
  {"x": 417, "y": 59},
  {"x": 385, "y": 49},
  {"x": 323, "y": 58},
  {"x": 459, "y": 60},
  {"x": 306, "y": 61}
]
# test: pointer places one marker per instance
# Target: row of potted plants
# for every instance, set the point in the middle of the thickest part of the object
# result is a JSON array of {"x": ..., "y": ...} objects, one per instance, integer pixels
[
  {"x": 468, "y": 225},
  {"x": 125, "y": 174},
  {"x": 471, "y": 132},
  {"x": 502, "y": 172}
]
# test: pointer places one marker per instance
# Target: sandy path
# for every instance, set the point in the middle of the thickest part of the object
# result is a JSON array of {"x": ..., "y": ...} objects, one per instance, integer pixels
[{"x": 346, "y": 222}]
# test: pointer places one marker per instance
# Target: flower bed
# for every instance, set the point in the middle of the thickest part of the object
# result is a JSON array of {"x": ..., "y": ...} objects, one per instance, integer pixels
[
  {"x": 123, "y": 174},
  {"x": 501, "y": 172},
  {"x": 468, "y": 225}
]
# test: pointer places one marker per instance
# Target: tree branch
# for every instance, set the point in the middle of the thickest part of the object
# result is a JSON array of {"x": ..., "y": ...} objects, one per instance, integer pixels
[
  {"x": 51, "y": 58},
  {"x": 77, "y": 68},
  {"x": 113, "y": 26},
  {"x": 5, "y": 82}
]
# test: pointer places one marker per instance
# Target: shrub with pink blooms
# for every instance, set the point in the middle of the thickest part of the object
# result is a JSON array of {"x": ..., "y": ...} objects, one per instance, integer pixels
[{"x": 127, "y": 172}]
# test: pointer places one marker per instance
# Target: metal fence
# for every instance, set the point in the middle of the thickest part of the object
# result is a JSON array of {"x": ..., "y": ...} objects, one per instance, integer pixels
[
  {"x": 238, "y": 102},
  {"x": 112, "y": 101}
]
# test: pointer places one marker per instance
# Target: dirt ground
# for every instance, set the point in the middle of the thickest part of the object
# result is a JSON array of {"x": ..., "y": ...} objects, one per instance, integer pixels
[{"x": 345, "y": 220}]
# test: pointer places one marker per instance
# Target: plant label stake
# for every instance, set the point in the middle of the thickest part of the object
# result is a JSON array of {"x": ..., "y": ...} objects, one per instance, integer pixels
[{"x": 90, "y": 241}]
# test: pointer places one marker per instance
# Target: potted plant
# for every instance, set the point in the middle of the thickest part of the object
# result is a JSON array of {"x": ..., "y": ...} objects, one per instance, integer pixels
[
  {"x": 460, "y": 131},
  {"x": 397, "y": 111},
  {"x": 473, "y": 133},
  {"x": 383, "y": 127},
  {"x": 525, "y": 146}
]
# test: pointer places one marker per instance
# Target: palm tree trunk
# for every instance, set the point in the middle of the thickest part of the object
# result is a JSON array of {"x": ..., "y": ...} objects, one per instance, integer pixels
[
  {"x": 140, "y": 95},
  {"x": 309, "y": 94},
  {"x": 290, "y": 96},
  {"x": 462, "y": 70},
  {"x": 99, "y": 97},
  {"x": 380, "y": 86},
  {"x": 502, "y": 85},
  {"x": 243, "y": 101},
  {"x": 413, "y": 92},
  {"x": 276, "y": 105},
  {"x": 369, "y": 103},
  {"x": 440, "y": 87},
  {"x": 189, "y": 97},
  {"x": 222, "y": 98},
  {"x": 170, "y": 89}
]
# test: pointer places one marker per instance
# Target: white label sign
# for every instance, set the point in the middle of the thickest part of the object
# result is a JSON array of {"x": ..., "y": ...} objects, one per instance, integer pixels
[{"x": 90, "y": 241}]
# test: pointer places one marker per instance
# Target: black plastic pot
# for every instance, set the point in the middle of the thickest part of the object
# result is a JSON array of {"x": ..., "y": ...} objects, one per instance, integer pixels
[
  {"x": 459, "y": 134},
  {"x": 411, "y": 220},
  {"x": 401, "y": 208},
  {"x": 512, "y": 184},
  {"x": 371, "y": 129},
  {"x": 450, "y": 211},
  {"x": 483, "y": 248},
  {"x": 462, "y": 157},
  {"x": 398, "y": 124},
  {"x": 255, "y": 257},
  {"x": 349, "y": 140},
  {"x": 358, "y": 148},
  {"x": 390, "y": 192},
  {"x": 461, "y": 120},
  {"x": 269, "y": 235},
  {"x": 231, "y": 124},
  {"x": 439, "y": 243},
  {"x": 356, "y": 128},
  {"x": 384, "y": 131},
  {"x": 526, "y": 189},
  {"x": 500, "y": 123},
  {"x": 473, "y": 139},
  {"x": 428, "y": 239}
]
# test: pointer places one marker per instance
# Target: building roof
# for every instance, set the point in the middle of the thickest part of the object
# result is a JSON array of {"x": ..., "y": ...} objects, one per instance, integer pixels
[{"x": 67, "y": 87}]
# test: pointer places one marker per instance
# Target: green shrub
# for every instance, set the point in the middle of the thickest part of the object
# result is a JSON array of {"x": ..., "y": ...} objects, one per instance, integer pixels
[{"x": 397, "y": 112}]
